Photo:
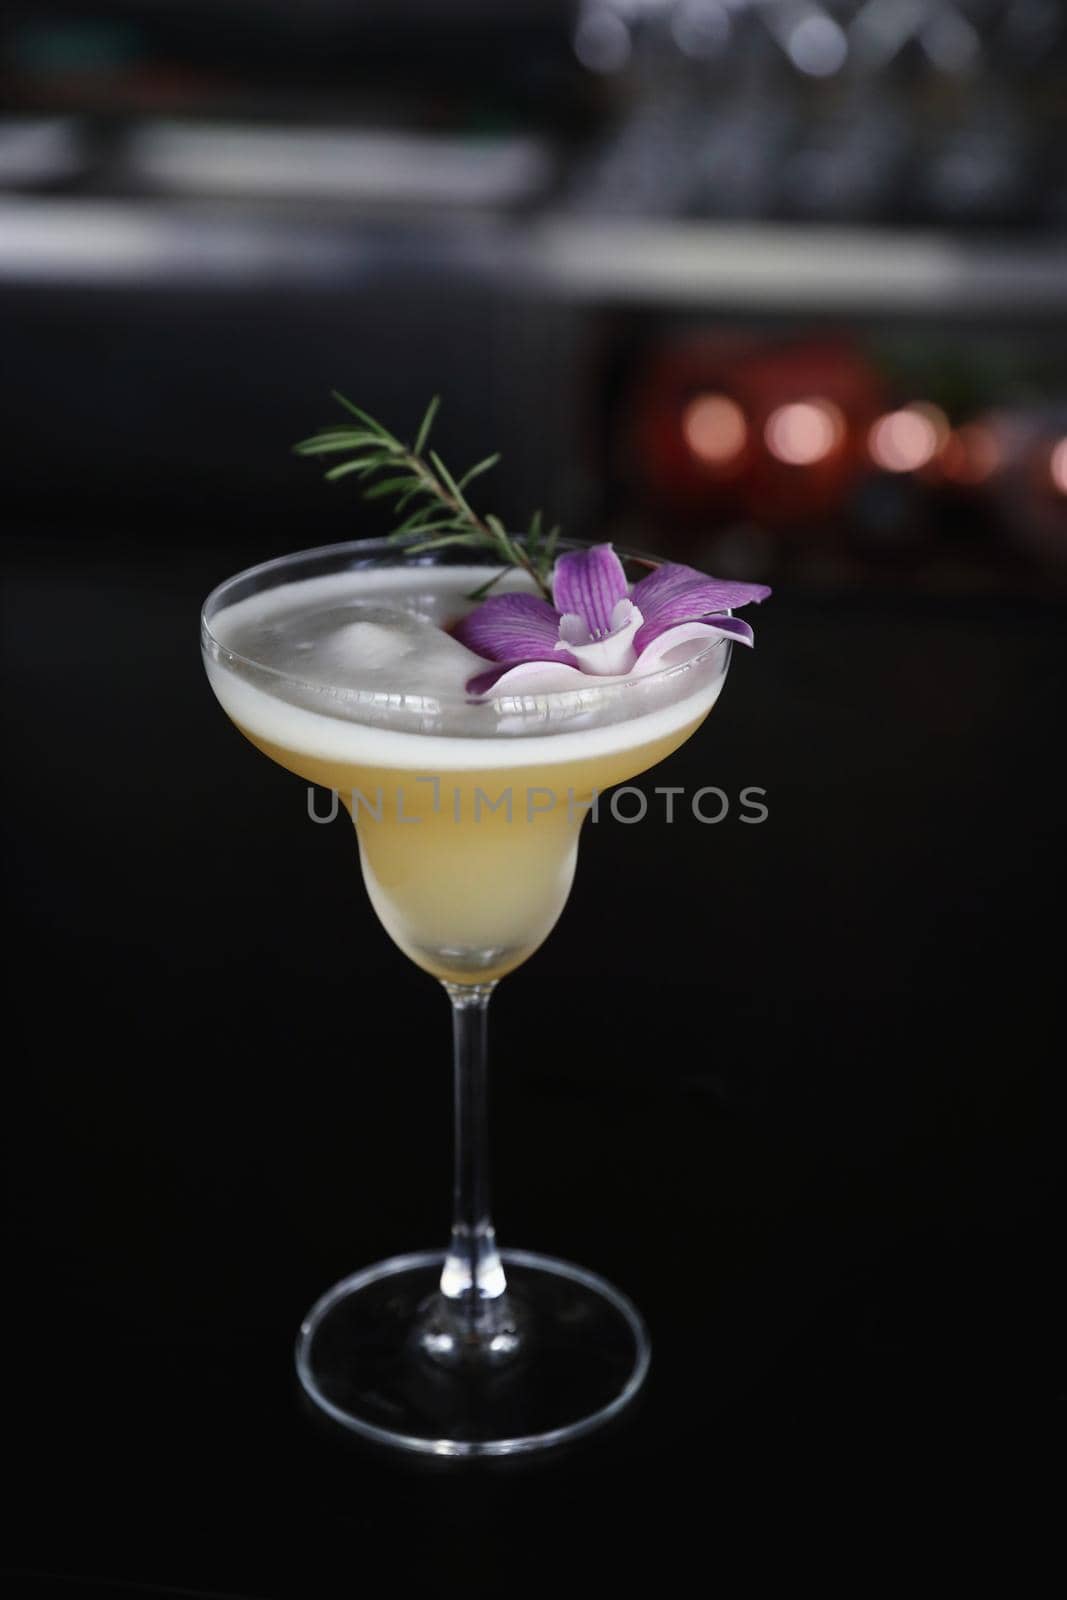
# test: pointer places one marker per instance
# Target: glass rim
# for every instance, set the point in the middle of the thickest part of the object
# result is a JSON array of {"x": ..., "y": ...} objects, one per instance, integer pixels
[{"x": 514, "y": 703}]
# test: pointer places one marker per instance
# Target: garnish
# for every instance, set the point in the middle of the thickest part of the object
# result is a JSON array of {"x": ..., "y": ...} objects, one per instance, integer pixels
[
  {"x": 587, "y": 619},
  {"x": 442, "y": 514},
  {"x": 597, "y": 624}
]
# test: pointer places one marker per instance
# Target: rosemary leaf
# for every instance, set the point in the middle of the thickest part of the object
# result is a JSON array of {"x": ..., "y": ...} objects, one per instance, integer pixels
[
  {"x": 424, "y": 427},
  {"x": 441, "y": 514},
  {"x": 533, "y": 538},
  {"x": 476, "y": 471},
  {"x": 375, "y": 427},
  {"x": 449, "y": 481},
  {"x": 484, "y": 588},
  {"x": 411, "y": 524},
  {"x": 384, "y": 486},
  {"x": 344, "y": 469},
  {"x": 323, "y": 443}
]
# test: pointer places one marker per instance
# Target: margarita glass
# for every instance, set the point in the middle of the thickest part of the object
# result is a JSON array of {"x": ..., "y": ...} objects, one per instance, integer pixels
[{"x": 337, "y": 663}]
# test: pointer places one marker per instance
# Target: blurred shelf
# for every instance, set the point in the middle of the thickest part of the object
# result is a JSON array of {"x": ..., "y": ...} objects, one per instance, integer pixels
[
  {"x": 775, "y": 268},
  {"x": 747, "y": 269},
  {"x": 357, "y": 166}
]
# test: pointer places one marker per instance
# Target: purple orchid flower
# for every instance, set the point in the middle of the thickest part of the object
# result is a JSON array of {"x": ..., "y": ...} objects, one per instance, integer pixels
[{"x": 599, "y": 625}]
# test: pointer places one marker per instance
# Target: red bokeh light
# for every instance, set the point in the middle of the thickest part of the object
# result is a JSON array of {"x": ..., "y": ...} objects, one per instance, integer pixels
[
  {"x": 715, "y": 429},
  {"x": 908, "y": 439},
  {"x": 1057, "y": 466},
  {"x": 803, "y": 432}
]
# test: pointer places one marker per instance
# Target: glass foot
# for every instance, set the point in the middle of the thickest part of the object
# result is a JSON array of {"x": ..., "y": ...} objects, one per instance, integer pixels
[{"x": 573, "y": 1353}]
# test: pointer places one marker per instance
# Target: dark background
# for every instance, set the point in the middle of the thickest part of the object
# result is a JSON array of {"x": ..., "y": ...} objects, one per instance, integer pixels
[{"x": 793, "y": 1086}]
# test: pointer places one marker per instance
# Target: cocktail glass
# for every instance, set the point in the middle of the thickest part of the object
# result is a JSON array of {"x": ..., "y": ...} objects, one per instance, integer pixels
[{"x": 467, "y": 820}]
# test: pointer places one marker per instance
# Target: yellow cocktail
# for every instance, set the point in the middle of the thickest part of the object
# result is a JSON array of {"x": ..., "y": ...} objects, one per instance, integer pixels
[{"x": 467, "y": 816}]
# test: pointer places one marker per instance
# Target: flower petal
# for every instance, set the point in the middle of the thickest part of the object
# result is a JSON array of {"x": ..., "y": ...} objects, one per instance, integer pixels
[
  {"x": 700, "y": 634},
  {"x": 674, "y": 594},
  {"x": 590, "y": 583},
  {"x": 526, "y": 677},
  {"x": 663, "y": 586},
  {"x": 511, "y": 627}
]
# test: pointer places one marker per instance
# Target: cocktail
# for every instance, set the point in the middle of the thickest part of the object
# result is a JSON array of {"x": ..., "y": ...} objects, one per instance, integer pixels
[{"x": 469, "y": 754}]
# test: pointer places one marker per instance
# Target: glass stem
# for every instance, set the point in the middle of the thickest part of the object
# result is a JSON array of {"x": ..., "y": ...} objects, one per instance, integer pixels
[{"x": 472, "y": 1280}]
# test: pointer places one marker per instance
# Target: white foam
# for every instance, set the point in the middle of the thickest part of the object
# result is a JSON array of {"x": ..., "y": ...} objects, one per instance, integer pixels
[{"x": 372, "y": 679}]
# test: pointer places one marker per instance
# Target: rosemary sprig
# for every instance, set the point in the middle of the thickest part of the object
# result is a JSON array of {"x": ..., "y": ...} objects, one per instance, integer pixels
[{"x": 440, "y": 513}]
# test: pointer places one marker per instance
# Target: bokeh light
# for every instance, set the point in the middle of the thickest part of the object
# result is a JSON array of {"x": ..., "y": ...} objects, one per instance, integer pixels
[
  {"x": 602, "y": 41},
  {"x": 715, "y": 429},
  {"x": 1057, "y": 466},
  {"x": 908, "y": 439},
  {"x": 700, "y": 28},
  {"x": 804, "y": 432},
  {"x": 818, "y": 46}
]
